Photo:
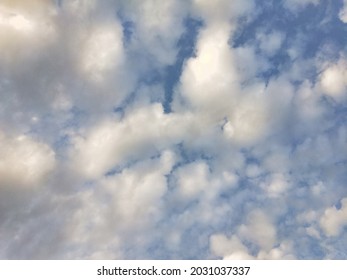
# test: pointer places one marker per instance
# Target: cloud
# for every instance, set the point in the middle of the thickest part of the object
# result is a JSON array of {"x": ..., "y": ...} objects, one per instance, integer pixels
[
  {"x": 202, "y": 83},
  {"x": 343, "y": 12},
  {"x": 249, "y": 120},
  {"x": 143, "y": 132},
  {"x": 270, "y": 43},
  {"x": 23, "y": 24},
  {"x": 103, "y": 51},
  {"x": 232, "y": 248},
  {"x": 37, "y": 160},
  {"x": 259, "y": 229},
  {"x": 248, "y": 163},
  {"x": 333, "y": 80},
  {"x": 158, "y": 27},
  {"x": 192, "y": 179},
  {"x": 333, "y": 220},
  {"x": 132, "y": 202}
]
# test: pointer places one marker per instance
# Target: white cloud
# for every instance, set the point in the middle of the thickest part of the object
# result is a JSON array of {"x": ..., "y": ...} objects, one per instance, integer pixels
[
  {"x": 277, "y": 185},
  {"x": 124, "y": 207},
  {"x": 192, "y": 179},
  {"x": 24, "y": 162},
  {"x": 333, "y": 220},
  {"x": 249, "y": 120},
  {"x": 80, "y": 8},
  {"x": 270, "y": 43},
  {"x": 229, "y": 248},
  {"x": 144, "y": 132},
  {"x": 102, "y": 51},
  {"x": 211, "y": 85},
  {"x": 308, "y": 102},
  {"x": 333, "y": 80},
  {"x": 22, "y": 24},
  {"x": 282, "y": 252},
  {"x": 343, "y": 12},
  {"x": 62, "y": 59},
  {"x": 242, "y": 168},
  {"x": 209, "y": 78},
  {"x": 253, "y": 170},
  {"x": 159, "y": 26},
  {"x": 259, "y": 229}
]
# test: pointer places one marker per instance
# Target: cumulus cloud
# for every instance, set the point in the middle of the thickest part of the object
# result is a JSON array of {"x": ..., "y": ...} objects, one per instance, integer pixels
[
  {"x": 112, "y": 142},
  {"x": 334, "y": 80},
  {"x": 103, "y": 50},
  {"x": 343, "y": 12},
  {"x": 132, "y": 203},
  {"x": 203, "y": 84},
  {"x": 230, "y": 247},
  {"x": 333, "y": 220},
  {"x": 24, "y": 162},
  {"x": 259, "y": 231},
  {"x": 248, "y": 163},
  {"x": 192, "y": 179}
]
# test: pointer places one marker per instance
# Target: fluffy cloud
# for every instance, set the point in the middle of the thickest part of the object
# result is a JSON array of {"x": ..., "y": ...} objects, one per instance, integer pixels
[
  {"x": 260, "y": 231},
  {"x": 37, "y": 160},
  {"x": 132, "y": 203},
  {"x": 248, "y": 163},
  {"x": 159, "y": 27},
  {"x": 192, "y": 179},
  {"x": 20, "y": 25},
  {"x": 270, "y": 43},
  {"x": 333, "y": 220},
  {"x": 202, "y": 82},
  {"x": 343, "y": 12},
  {"x": 232, "y": 247},
  {"x": 112, "y": 142},
  {"x": 103, "y": 51},
  {"x": 334, "y": 80}
]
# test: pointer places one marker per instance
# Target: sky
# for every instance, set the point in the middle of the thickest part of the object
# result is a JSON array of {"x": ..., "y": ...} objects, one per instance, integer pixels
[{"x": 176, "y": 129}]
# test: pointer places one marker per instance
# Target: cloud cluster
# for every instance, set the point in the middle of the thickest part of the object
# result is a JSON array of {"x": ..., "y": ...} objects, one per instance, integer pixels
[
  {"x": 37, "y": 160},
  {"x": 334, "y": 80},
  {"x": 334, "y": 220},
  {"x": 343, "y": 12},
  {"x": 248, "y": 163}
]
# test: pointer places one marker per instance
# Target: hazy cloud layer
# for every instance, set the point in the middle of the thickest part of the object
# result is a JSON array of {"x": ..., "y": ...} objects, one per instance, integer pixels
[{"x": 173, "y": 129}]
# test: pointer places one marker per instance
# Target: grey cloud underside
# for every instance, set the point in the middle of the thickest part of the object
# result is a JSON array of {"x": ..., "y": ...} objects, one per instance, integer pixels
[{"x": 173, "y": 129}]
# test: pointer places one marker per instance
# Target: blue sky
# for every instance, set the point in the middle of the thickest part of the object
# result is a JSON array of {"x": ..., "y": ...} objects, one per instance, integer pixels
[{"x": 190, "y": 129}]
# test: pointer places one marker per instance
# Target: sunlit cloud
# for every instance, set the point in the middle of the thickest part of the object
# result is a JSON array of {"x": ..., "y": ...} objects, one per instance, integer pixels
[{"x": 173, "y": 129}]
